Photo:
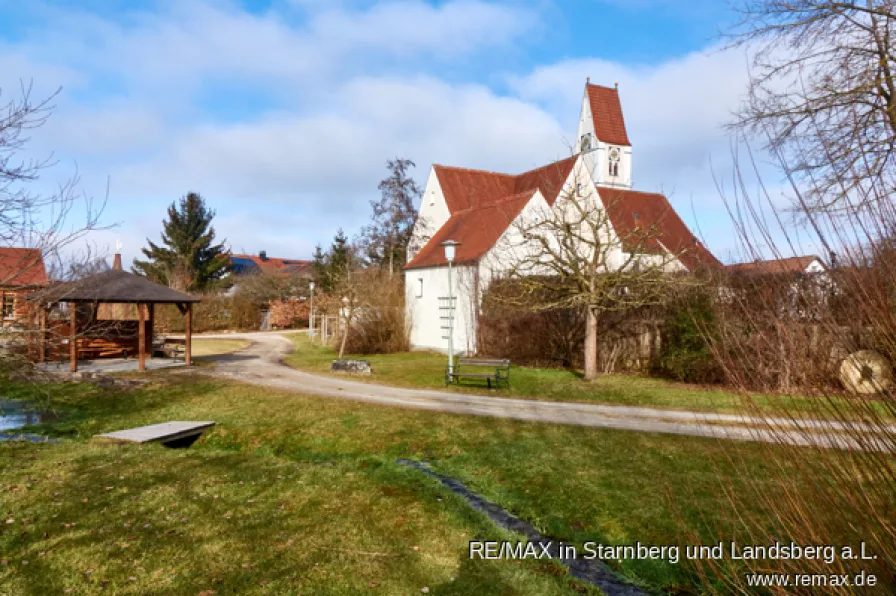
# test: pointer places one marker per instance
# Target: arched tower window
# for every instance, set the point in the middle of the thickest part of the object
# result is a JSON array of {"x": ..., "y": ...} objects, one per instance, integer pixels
[
  {"x": 613, "y": 162},
  {"x": 585, "y": 144}
]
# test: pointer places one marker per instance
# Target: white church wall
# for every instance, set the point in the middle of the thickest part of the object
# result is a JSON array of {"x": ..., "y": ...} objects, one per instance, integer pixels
[
  {"x": 432, "y": 215},
  {"x": 423, "y": 288}
]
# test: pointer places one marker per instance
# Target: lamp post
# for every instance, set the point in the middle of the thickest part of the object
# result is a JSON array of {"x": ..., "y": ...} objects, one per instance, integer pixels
[
  {"x": 450, "y": 250},
  {"x": 311, "y": 316}
]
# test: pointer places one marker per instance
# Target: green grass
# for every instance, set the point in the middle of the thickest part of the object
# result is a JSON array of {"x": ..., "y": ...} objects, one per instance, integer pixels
[
  {"x": 291, "y": 494},
  {"x": 213, "y": 346},
  {"x": 427, "y": 369}
]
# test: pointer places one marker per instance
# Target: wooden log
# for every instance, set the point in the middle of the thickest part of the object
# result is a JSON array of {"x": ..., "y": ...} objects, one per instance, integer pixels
[
  {"x": 188, "y": 354},
  {"x": 73, "y": 336},
  {"x": 141, "y": 337}
]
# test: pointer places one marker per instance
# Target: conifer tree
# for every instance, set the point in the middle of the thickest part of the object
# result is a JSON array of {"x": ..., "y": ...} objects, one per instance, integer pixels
[{"x": 187, "y": 258}]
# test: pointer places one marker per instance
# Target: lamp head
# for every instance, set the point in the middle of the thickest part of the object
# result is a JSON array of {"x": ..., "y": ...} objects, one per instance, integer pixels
[{"x": 450, "y": 249}]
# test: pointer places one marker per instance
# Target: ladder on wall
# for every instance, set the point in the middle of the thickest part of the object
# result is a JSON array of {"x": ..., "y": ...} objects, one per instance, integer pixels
[{"x": 446, "y": 313}]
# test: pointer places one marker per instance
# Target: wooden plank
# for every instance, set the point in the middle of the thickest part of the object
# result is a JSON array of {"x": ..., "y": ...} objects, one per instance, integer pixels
[{"x": 164, "y": 432}]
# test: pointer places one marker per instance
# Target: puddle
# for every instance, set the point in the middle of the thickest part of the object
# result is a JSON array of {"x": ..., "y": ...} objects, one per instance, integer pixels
[{"x": 16, "y": 414}]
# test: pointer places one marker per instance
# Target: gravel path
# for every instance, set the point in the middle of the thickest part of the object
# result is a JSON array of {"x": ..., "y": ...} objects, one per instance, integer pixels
[{"x": 262, "y": 364}]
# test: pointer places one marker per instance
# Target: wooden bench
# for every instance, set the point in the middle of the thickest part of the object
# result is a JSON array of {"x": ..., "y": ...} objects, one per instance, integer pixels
[
  {"x": 475, "y": 368},
  {"x": 172, "y": 348}
]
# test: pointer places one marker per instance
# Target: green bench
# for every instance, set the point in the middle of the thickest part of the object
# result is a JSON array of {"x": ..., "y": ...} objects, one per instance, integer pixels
[{"x": 491, "y": 369}]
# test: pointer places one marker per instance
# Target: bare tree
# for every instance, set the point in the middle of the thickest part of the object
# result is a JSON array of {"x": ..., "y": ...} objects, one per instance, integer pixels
[
  {"x": 822, "y": 93},
  {"x": 569, "y": 255},
  {"x": 45, "y": 221}
]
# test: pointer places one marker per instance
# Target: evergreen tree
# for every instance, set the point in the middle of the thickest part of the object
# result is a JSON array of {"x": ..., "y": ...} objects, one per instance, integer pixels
[
  {"x": 319, "y": 268},
  {"x": 385, "y": 240},
  {"x": 187, "y": 258}
]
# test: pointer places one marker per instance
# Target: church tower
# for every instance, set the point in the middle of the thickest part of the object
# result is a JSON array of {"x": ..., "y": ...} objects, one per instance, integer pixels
[{"x": 602, "y": 139}]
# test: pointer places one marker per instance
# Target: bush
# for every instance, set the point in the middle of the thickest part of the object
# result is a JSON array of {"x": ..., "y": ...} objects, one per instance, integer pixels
[
  {"x": 289, "y": 314},
  {"x": 686, "y": 355},
  {"x": 379, "y": 324},
  {"x": 214, "y": 313}
]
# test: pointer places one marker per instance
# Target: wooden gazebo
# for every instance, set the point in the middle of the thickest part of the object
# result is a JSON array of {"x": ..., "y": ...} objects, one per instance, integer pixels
[{"x": 113, "y": 287}]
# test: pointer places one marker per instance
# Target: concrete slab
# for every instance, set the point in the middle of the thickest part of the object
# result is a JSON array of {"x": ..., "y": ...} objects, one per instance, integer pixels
[
  {"x": 166, "y": 432},
  {"x": 113, "y": 365}
]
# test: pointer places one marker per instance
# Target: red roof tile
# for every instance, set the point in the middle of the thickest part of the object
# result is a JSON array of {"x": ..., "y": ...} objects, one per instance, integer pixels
[
  {"x": 464, "y": 188},
  {"x": 647, "y": 222},
  {"x": 606, "y": 112},
  {"x": 22, "y": 267},
  {"x": 787, "y": 265},
  {"x": 476, "y": 228},
  {"x": 272, "y": 264}
]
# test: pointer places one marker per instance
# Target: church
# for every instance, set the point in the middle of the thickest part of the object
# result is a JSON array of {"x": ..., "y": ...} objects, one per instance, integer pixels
[{"x": 479, "y": 210}]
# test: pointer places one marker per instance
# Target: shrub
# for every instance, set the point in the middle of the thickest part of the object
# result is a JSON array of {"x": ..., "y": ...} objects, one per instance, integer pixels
[
  {"x": 379, "y": 324},
  {"x": 213, "y": 313},
  {"x": 288, "y": 314},
  {"x": 685, "y": 353}
]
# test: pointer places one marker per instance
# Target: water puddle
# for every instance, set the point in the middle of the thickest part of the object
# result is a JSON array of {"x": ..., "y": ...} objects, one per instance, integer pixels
[{"x": 16, "y": 414}]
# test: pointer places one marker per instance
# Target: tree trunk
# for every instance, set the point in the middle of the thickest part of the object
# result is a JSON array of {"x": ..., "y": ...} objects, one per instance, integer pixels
[
  {"x": 590, "y": 344},
  {"x": 348, "y": 321}
]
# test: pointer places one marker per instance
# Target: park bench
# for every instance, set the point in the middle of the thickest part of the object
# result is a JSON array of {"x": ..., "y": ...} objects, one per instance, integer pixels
[
  {"x": 171, "y": 347},
  {"x": 490, "y": 369}
]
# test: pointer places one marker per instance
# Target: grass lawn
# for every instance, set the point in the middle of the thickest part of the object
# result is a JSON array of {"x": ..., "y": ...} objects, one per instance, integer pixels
[
  {"x": 295, "y": 494},
  {"x": 213, "y": 346},
  {"x": 427, "y": 370}
]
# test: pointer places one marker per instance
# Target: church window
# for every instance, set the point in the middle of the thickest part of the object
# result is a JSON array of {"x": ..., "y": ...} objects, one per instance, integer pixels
[
  {"x": 614, "y": 162},
  {"x": 586, "y": 142},
  {"x": 419, "y": 287},
  {"x": 9, "y": 305}
]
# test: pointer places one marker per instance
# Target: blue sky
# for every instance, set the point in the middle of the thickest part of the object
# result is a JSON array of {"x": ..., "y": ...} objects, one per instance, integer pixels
[{"x": 282, "y": 113}]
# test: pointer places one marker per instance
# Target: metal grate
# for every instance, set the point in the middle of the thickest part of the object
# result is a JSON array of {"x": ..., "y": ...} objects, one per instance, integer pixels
[{"x": 446, "y": 313}]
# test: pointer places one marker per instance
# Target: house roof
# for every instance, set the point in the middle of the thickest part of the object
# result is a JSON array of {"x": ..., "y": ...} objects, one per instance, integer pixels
[
  {"x": 606, "y": 112},
  {"x": 113, "y": 286},
  {"x": 786, "y": 265},
  {"x": 476, "y": 228},
  {"x": 249, "y": 263},
  {"x": 647, "y": 222},
  {"x": 464, "y": 188},
  {"x": 22, "y": 267}
]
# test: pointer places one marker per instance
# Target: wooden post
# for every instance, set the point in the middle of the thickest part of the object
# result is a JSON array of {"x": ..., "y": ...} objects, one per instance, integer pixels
[
  {"x": 73, "y": 336},
  {"x": 141, "y": 338},
  {"x": 188, "y": 335},
  {"x": 42, "y": 334},
  {"x": 151, "y": 336}
]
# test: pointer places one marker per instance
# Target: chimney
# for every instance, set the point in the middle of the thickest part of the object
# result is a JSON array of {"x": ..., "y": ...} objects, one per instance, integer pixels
[
  {"x": 116, "y": 262},
  {"x": 263, "y": 255}
]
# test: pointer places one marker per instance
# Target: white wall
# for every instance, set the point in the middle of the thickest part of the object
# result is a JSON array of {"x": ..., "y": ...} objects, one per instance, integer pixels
[
  {"x": 432, "y": 215},
  {"x": 423, "y": 307}
]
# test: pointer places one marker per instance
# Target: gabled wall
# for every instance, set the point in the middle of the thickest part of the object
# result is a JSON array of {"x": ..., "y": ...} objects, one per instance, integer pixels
[{"x": 432, "y": 215}]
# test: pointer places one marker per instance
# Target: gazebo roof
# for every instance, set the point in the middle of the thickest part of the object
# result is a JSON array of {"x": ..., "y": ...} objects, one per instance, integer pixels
[{"x": 113, "y": 286}]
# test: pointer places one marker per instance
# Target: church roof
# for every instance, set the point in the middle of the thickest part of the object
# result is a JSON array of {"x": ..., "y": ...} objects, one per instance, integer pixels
[
  {"x": 606, "y": 113},
  {"x": 464, "y": 188},
  {"x": 477, "y": 228},
  {"x": 647, "y": 222}
]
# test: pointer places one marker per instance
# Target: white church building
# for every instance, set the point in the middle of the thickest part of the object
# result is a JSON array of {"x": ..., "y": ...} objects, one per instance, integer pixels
[{"x": 479, "y": 209}]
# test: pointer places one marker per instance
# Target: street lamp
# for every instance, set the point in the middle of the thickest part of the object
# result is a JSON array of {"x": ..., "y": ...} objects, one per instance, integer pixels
[
  {"x": 311, "y": 316},
  {"x": 450, "y": 250}
]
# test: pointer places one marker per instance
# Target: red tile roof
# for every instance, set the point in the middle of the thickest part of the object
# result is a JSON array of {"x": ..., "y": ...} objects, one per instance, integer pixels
[
  {"x": 647, "y": 222},
  {"x": 476, "y": 228},
  {"x": 22, "y": 267},
  {"x": 464, "y": 188},
  {"x": 272, "y": 264},
  {"x": 606, "y": 112},
  {"x": 787, "y": 265}
]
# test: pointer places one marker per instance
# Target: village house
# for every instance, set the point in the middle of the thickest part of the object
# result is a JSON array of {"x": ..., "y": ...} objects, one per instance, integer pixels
[
  {"x": 482, "y": 210},
  {"x": 22, "y": 271},
  {"x": 242, "y": 265}
]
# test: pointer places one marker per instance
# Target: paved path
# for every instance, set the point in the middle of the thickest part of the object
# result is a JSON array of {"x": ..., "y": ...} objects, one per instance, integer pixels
[{"x": 261, "y": 364}]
